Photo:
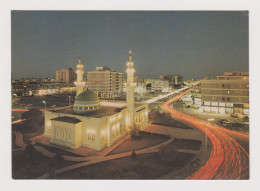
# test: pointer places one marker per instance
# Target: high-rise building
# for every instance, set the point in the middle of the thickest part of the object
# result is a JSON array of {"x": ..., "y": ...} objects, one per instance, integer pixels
[
  {"x": 226, "y": 94},
  {"x": 67, "y": 75},
  {"x": 105, "y": 82}
]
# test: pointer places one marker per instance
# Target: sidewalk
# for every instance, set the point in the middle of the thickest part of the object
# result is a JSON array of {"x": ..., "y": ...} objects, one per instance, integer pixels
[
  {"x": 111, "y": 157},
  {"x": 19, "y": 139}
]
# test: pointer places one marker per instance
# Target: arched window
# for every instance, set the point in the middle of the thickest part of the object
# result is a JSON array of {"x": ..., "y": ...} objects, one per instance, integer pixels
[
  {"x": 89, "y": 136},
  {"x": 69, "y": 135},
  {"x": 113, "y": 132},
  {"x": 63, "y": 134},
  {"x": 57, "y": 133},
  {"x": 93, "y": 137}
]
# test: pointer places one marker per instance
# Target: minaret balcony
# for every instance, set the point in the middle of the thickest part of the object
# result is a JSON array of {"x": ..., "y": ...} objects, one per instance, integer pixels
[
  {"x": 79, "y": 83},
  {"x": 132, "y": 84}
]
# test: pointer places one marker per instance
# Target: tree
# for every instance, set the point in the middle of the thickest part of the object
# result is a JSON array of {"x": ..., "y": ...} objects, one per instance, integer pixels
[
  {"x": 154, "y": 115},
  {"x": 31, "y": 154},
  {"x": 29, "y": 149},
  {"x": 134, "y": 131},
  {"x": 32, "y": 118}
]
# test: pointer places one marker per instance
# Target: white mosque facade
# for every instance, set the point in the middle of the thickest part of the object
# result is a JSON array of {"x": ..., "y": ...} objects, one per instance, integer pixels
[{"x": 91, "y": 124}]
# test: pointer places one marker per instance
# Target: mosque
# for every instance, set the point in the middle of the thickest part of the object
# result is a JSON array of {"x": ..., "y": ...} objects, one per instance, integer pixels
[{"x": 91, "y": 124}]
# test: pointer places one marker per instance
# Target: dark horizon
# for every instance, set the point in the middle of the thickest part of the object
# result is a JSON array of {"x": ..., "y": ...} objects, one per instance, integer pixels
[{"x": 194, "y": 44}]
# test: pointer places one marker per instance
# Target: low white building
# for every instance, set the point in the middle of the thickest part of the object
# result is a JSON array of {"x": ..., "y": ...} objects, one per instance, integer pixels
[{"x": 96, "y": 129}]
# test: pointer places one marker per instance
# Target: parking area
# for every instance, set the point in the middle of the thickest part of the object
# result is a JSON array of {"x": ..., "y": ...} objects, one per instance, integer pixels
[
  {"x": 52, "y": 101},
  {"x": 231, "y": 122}
]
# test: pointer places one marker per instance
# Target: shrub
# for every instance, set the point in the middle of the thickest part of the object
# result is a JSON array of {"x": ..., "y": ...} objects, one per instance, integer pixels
[
  {"x": 33, "y": 119},
  {"x": 134, "y": 131}
]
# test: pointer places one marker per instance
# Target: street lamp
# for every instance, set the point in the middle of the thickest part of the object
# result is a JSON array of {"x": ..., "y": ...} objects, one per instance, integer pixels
[
  {"x": 69, "y": 100},
  {"x": 206, "y": 138},
  {"x": 45, "y": 104}
]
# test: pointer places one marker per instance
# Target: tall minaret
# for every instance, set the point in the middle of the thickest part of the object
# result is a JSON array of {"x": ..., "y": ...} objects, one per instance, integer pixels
[
  {"x": 80, "y": 84},
  {"x": 130, "y": 86}
]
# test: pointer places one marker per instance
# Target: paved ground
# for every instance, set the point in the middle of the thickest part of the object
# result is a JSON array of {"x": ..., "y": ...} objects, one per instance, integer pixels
[
  {"x": 152, "y": 128},
  {"x": 19, "y": 139},
  {"x": 244, "y": 128}
]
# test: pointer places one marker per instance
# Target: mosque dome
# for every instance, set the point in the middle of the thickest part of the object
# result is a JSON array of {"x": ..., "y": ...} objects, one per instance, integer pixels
[{"x": 86, "y": 102}]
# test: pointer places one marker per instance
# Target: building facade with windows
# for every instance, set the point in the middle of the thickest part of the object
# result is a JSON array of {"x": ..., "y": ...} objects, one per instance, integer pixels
[
  {"x": 93, "y": 125},
  {"x": 67, "y": 75},
  {"x": 175, "y": 81},
  {"x": 228, "y": 94},
  {"x": 36, "y": 87},
  {"x": 160, "y": 85},
  {"x": 105, "y": 82}
]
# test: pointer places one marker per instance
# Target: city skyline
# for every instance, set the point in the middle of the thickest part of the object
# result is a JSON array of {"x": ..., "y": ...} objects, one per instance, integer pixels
[{"x": 193, "y": 43}]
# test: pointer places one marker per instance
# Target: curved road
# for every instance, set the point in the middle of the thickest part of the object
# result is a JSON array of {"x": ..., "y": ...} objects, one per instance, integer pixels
[{"x": 228, "y": 159}]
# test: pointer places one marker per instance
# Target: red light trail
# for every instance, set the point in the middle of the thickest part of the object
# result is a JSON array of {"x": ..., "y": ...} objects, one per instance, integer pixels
[{"x": 228, "y": 159}]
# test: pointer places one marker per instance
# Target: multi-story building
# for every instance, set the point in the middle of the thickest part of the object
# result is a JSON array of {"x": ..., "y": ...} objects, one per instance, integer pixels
[
  {"x": 228, "y": 94},
  {"x": 105, "y": 82},
  {"x": 175, "y": 81},
  {"x": 35, "y": 87},
  {"x": 67, "y": 75},
  {"x": 160, "y": 85}
]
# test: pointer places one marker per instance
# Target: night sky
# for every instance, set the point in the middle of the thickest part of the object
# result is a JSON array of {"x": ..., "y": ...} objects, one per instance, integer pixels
[{"x": 192, "y": 44}]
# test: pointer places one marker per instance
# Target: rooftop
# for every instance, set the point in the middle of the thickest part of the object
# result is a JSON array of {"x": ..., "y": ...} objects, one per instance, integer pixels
[
  {"x": 67, "y": 119},
  {"x": 104, "y": 111}
]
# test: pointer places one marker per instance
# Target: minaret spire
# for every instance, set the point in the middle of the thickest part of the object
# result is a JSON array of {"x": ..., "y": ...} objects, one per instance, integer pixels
[
  {"x": 130, "y": 55},
  {"x": 80, "y": 84},
  {"x": 130, "y": 86}
]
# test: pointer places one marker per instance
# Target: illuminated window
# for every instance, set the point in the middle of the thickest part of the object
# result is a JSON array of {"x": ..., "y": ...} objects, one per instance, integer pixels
[
  {"x": 93, "y": 137},
  {"x": 89, "y": 136}
]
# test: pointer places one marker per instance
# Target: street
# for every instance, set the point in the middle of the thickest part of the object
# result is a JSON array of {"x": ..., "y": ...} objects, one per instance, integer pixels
[{"x": 228, "y": 160}]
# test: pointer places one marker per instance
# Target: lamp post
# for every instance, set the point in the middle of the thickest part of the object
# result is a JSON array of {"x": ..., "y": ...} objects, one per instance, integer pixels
[
  {"x": 206, "y": 131},
  {"x": 69, "y": 100},
  {"x": 45, "y": 104},
  {"x": 206, "y": 139}
]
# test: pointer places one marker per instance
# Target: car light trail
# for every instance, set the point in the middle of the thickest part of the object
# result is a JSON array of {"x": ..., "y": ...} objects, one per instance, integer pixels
[
  {"x": 164, "y": 96},
  {"x": 228, "y": 159}
]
